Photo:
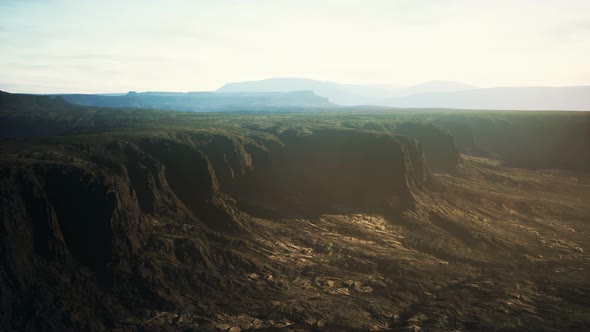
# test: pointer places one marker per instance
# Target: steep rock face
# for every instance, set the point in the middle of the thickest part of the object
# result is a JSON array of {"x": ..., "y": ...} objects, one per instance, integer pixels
[
  {"x": 191, "y": 177},
  {"x": 55, "y": 255},
  {"x": 298, "y": 172},
  {"x": 550, "y": 140},
  {"x": 352, "y": 168},
  {"x": 420, "y": 172},
  {"x": 439, "y": 147},
  {"x": 144, "y": 177},
  {"x": 77, "y": 238},
  {"x": 463, "y": 137},
  {"x": 322, "y": 170},
  {"x": 86, "y": 229},
  {"x": 85, "y": 214}
]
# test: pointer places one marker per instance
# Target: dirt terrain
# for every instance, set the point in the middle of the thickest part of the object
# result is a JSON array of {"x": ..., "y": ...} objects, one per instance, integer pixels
[{"x": 498, "y": 249}]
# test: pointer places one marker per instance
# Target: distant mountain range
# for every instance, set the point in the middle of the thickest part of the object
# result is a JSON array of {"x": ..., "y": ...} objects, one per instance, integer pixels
[
  {"x": 435, "y": 94},
  {"x": 343, "y": 94},
  {"x": 300, "y": 93},
  {"x": 203, "y": 101},
  {"x": 573, "y": 98}
]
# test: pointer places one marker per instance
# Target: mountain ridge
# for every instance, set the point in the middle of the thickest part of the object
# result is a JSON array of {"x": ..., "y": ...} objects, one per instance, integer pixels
[
  {"x": 575, "y": 98},
  {"x": 340, "y": 93},
  {"x": 431, "y": 94},
  {"x": 202, "y": 100},
  {"x": 293, "y": 92}
]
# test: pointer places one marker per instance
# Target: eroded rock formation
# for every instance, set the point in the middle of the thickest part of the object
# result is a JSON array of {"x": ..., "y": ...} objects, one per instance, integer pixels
[{"x": 83, "y": 213}]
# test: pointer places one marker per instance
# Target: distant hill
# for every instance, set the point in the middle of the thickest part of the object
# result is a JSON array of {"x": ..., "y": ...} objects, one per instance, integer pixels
[
  {"x": 434, "y": 94},
  {"x": 576, "y": 98},
  {"x": 203, "y": 101},
  {"x": 298, "y": 93},
  {"x": 342, "y": 94}
]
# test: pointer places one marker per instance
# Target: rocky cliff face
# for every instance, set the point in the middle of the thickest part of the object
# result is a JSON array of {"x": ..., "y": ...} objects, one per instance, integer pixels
[
  {"x": 527, "y": 140},
  {"x": 319, "y": 171},
  {"x": 439, "y": 147},
  {"x": 78, "y": 225},
  {"x": 67, "y": 232}
]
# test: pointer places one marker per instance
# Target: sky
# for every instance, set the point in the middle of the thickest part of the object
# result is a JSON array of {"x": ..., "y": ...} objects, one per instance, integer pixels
[{"x": 88, "y": 46}]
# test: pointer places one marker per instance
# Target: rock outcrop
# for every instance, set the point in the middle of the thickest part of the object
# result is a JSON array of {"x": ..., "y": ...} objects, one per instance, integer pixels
[
  {"x": 83, "y": 213},
  {"x": 527, "y": 139},
  {"x": 439, "y": 146}
]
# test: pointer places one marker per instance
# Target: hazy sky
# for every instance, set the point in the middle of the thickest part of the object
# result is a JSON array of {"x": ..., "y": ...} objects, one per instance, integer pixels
[{"x": 108, "y": 46}]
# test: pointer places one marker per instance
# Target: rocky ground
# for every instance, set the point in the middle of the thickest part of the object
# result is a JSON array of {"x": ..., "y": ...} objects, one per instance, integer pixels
[{"x": 496, "y": 249}]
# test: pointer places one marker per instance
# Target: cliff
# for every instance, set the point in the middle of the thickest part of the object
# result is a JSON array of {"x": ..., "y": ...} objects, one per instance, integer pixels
[{"x": 84, "y": 213}]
